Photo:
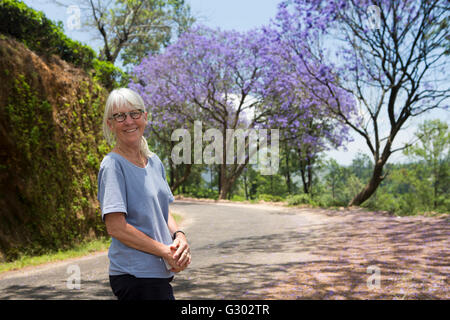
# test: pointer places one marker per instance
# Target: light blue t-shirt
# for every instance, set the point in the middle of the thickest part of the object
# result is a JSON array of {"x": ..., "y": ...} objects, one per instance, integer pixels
[{"x": 144, "y": 195}]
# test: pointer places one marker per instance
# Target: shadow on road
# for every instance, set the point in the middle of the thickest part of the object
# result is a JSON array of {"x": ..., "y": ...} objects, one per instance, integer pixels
[
  {"x": 227, "y": 281},
  {"x": 334, "y": 260},
  {"x": 90, "y": 290},
  {"x": 410, "y": 254}
]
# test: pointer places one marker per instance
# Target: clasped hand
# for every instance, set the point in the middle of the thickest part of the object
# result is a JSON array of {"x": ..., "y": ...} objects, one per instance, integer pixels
[{"x": 180, "y": 256}]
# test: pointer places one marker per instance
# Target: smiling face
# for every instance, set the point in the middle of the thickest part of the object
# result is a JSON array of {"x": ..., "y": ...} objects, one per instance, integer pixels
[{"x": 130, "y": 131}]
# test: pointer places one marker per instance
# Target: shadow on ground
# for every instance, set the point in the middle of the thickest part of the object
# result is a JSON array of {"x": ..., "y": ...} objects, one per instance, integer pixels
[
  {"x": 90, "y": 290},
  {"x": 411, "y": 255}
]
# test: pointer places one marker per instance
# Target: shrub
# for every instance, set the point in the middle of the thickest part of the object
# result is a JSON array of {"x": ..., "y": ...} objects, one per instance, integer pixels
[
  {"x": 42, "y": 35},
  {"x": 404, "y": 205},
  {"x": 383, "y": 201},
  {"x": 236, "y": 197},
  {"x": 443, "y": 204},
  {"x": 269, "y": 197},
  {"x": 298, "y": 199},
  {"x": 326, "y": 200},
  {"x": 107, "y": 74}
]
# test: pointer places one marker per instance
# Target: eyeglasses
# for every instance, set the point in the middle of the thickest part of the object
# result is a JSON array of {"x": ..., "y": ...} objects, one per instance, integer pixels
[{"x": 121, "y": 116}]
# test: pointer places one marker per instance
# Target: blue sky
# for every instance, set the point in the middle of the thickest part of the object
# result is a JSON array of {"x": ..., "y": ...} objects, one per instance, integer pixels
[{"x": 240, "y": 15}]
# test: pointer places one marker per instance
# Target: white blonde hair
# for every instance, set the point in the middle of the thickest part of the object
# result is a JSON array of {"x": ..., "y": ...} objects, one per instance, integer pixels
[{"x": 127, "y": 98}]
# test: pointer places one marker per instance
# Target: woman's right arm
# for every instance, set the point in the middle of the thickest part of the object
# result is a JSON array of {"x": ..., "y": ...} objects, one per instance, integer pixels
[{"x": 118, "y": 228}]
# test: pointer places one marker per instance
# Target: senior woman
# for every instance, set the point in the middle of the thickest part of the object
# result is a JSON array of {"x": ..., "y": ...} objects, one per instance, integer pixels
[{"x": 147, "y": 248}]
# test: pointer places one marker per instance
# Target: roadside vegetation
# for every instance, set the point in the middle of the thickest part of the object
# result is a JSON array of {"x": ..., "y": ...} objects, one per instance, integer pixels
[{"x": 418, "y": 186}]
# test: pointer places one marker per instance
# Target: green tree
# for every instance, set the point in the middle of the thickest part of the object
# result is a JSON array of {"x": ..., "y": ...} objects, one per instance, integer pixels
[
  {"x": 131, "y": 29},
  {"x": 334, "y": 177},
  {"x": 433, "y": 148},
  {"x": 362, "y": 166},
  {"x": 288, "y": 165}
]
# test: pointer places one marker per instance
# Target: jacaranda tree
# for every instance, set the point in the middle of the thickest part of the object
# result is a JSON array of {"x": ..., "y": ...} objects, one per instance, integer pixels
[
  {"x": 232, "y": 80},
  {"x": 390, "y": 55},
  {"x": 210, "y": 76},
  {"x": 296, "y": 101}
]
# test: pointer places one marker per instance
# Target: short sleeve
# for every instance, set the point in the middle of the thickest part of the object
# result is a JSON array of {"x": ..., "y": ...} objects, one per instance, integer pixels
[
  {"x": 111, "y": 190},
  {"x": 171, "y": 198}
]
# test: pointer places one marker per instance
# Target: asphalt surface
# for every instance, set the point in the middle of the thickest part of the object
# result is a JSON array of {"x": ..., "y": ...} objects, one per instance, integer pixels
[{"x": 238, "y": 252}]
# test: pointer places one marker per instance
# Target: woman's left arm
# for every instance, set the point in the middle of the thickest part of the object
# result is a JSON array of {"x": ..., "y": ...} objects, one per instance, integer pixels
[{"x": 183, "y": 252}]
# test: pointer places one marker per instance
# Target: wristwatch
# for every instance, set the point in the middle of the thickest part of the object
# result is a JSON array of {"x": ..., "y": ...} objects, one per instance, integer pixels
[{"x": 175, "y": 234}]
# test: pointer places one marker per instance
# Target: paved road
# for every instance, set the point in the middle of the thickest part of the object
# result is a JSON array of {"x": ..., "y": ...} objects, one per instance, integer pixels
[{"x": 238, "y": 251}]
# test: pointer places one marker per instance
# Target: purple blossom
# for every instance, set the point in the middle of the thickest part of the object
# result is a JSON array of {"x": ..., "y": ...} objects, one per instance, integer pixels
[{"x": 210, "y": 75}]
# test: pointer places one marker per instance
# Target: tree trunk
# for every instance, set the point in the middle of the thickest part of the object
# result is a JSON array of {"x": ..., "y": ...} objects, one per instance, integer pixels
[
  {"x": 228, "y": 180},
  {"x": 371, "y": 187},
  {"x": 288, "y": 172},
  {"x": 309, "y": 175},
  {"x": 435, "y": 183},
  {"x": 223, "y": 185},
  {"x": 219, "y": 180},
  {"x": 187, "y": 172},
  {"x": 245, "y": 186},
  {"x": 225, "y": 189},
  {"x": 305, "y": 184}
]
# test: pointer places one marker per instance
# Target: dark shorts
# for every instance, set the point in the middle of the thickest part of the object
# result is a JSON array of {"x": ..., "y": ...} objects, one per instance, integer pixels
[{"x": 128, "y": 287}]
